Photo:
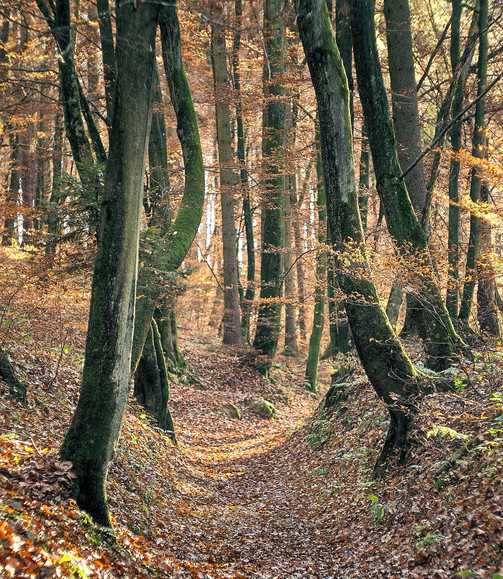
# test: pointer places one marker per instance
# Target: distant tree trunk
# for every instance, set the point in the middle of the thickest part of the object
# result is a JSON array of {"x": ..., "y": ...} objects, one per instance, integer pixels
[
  {"x": 28, "y": 177},
  {"x": 478, "y": 148},
  {"x": 295, "y": 204},
  {"x": 291, "y": 345},
  {"x": 228, "y": 181},
  {"x": 269, "y": 312},
  {"x": 249, "y": 294},
  {"x": 389, "y": 369},
  {"x": 55, "y": 196},
  {"x": 364, "y": 181},
  {"x": 487, "y": 311},
  {"x": 93, "y": 433},
  {"x": 444, "y": 111},
  {"x": 10, "y": 224},
  {"x": 432, "y": 320},
  {"x": 451, "y": 300},
  {"x": 313, "y": 355}
]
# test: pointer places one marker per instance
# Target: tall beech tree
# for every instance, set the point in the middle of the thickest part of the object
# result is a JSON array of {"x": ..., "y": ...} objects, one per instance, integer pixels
[
  {"x": 386, "y": 363},
  {"x": 431, "y": 318},
  {"x": 228, "y": 180},
  {"x": 90, "y": 440},
  {"x": 269, "y": 311},
  {"x": 406, "y": 123},
  {"x": 249, "y": 294},
  {"x": 478, "y": 149}
]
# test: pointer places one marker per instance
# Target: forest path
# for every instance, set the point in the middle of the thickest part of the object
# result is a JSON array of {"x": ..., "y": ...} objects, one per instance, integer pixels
[{"x": 258, "y": 515}]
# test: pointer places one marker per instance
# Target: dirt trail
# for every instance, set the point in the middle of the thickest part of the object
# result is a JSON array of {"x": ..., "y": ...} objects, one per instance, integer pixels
[{"x": 257, "y": 514}]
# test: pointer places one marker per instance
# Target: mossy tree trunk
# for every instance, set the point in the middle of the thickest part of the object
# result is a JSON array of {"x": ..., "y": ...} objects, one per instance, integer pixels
[
  {"x": 269, "y": 312},
  {"x": 451, "y": 300},
  {"x": 151, "y": 376},
  {"x": 387, "y": 365},
  {"x": 172, "y": 249},
  {"x": 228, "y": 181},
  {"x": 151, "y": 384},
  {"x": 478, "y": 151},
  {"x": 58, "y": 17},
  {"x": 165, "y": 317},
  {"x": 17, "y": 389},
  {"x": 90, "y": 440},
  {"x": 291, "y": 344},
  {"x": 432, "y": 320},
  {"x": 313, "y": 355}
]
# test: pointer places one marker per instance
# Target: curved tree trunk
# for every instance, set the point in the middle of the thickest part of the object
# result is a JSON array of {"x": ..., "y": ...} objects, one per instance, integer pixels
[
  {"x": 174, "y": 246},
  {"x": 90, "y": 440},
  {"x": 381, "y": 353},
  {"x": 432, "y": 320}
]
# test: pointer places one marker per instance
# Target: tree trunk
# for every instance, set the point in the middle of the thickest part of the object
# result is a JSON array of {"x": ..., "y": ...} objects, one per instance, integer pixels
[
  {"x": 165, "y": 317},
  {"x": 55, "y": 197},
  {"x": 381, "y": 353},
  {"x": 249, "y": 296},
  {"x": 487, "y": 311},
  {"x": 313, "y": 355},
  {"x": 10, "y": 223},
  {"x": 478, "y": 148},
  {"x": 108, "y": 56},
  {"x": 151, "y": 384},
  {"x": 17, "y": 389},
  {"x": 93, "y": 433},
  {"x": 291, "y": 345},
  {"x": 406, "y": 123},
  {"x": 269, "y": 313},
  {"x": 228, "y": 181},
  {"x": 451, "y": 300},
  {"x": 173, "y": 248},
  {"x": 364, "y": 180},
  {"x": 432, "y": 320}
]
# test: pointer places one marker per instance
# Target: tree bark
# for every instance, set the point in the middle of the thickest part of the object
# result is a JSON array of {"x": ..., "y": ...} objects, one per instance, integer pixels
[
  {"x": 228, "y": 181},
  {"x": 451, "y": 300},
  {"x": 173, "y": 248},
  {"x": 151, "y": 384},
  {"x": 432, "y": 319},
  {"x": 313, "y": 355},
  {"x": 269, "y": 312},
  {"x": 478, "y": 148},
  {"x": 96, "y": 424},
  {"x": 249, "y": 295},
  {"x": 381, "y": 353}
]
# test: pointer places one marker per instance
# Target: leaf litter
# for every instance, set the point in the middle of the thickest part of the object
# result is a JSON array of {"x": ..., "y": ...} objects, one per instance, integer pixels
[{"x": 258, "y": 498}]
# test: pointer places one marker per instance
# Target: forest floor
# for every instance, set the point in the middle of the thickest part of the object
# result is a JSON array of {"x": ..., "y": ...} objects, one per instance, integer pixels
[{"x": 290, "y": 497}]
